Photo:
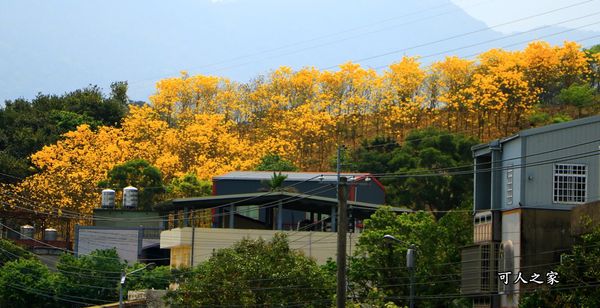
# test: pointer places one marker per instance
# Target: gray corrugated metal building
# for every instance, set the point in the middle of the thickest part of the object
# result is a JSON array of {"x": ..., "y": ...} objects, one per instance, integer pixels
[{"x": 525, "y": 187}]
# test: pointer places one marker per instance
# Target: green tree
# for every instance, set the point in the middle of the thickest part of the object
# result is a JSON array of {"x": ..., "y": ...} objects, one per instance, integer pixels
[
  {"x": 543, "y": 118},
  {"x": 92, "y": 102},
  {"x": 188, "y": 186},
  {"x": 374, "y": 156},
  {"x": 580, "y": 96},
  {"x": 26, "y": 126},
  {"x": 274, "y": 162},
  {"x": 18, "y": 168},
  {"x": 118, "y": 92},
  {"x": 157, "y": 278},
  {"x": 10, "y": 252},
  {"x": 94, "y": 277},
  {"x": 67, "y": 121},
  {"x": 27, "y": 283},
  {"x": 256, "y": 272},
  {"x": 140, "y": 174},
  {"x": 421, "y": 152},
  {"x": 378, "y": 270}
]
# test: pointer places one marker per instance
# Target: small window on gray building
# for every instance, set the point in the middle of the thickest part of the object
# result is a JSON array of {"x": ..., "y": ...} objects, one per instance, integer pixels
[
  {"x": 570, "y": 183},
  {"x": 509, "y": 185}
]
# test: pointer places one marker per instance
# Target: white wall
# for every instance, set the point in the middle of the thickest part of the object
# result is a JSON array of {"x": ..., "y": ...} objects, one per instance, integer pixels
[
  {"x": 318, "y": 245},
  {"x": 124, "y": 240}
]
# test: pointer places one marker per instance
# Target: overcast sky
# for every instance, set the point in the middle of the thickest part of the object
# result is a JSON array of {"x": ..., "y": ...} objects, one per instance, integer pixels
[{"x": 62, "y": 45}]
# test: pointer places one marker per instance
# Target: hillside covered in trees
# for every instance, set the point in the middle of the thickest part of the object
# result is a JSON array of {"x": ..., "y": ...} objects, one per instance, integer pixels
[{"x": 206, "y": 125}]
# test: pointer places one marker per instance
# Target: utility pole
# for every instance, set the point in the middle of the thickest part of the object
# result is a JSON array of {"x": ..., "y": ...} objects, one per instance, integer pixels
[
  {"x": 410, "y": 264},
  {"x": 193, "y": 238},
  {"x": 341, "y": 242},
  {"x": 338, "y": 170},
  {"x": 121, "y": 283},
  {"x": 124, "y": 275}
]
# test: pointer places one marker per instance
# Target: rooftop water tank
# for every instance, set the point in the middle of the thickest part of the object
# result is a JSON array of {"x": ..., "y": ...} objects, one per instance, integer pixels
[
  {"x": 130, "y": 197},
  {"x": 27, "y": 232},
  {"x": 108, "y": 199},
  {"x": 50, "y": 234}
]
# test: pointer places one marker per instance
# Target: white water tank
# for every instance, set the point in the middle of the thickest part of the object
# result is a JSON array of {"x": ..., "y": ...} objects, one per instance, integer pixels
[
  {"x": 27, "y": 232},
  {"x": 130, "y": 197},
  {"x": 108, "y": 199},
  {"x": 50, "y": 234}
]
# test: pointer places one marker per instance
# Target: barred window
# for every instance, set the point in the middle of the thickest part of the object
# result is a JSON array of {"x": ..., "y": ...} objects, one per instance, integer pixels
[{"x": 570, "y": 183}]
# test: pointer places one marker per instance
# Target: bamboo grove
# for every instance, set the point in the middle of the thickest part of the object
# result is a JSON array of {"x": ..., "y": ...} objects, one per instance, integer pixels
[{"x": 210, "y": 125}]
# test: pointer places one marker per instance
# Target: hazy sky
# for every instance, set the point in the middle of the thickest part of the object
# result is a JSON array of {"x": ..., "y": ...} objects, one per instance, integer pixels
[
  {"x": 498, "y": 12},
  {"x": 62, "y": 45}
]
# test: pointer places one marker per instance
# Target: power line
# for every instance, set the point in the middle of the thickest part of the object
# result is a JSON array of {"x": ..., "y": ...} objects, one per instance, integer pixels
[
  {"x": 399, "y": 50},
  {"x": 70, "y": 251},
  {"x": 438, "y": 171},
  {"x": 411, "y": 173},
  {"x": 51, "y": 296},
  {"x": 444, "y": 171},
  {"x": 271, "y": 204},
  {"x": 466, "y": 33},
  {"x": 546, "y": 36},
  {"x": 416, "y": 46},
  {"x": 78, "y": 215},
  {"x": 513, "y": 35},
  {"x": 283, "y": 47},
  {"x": 479, "y": 164},
  {"x": 537, "y": 265}
]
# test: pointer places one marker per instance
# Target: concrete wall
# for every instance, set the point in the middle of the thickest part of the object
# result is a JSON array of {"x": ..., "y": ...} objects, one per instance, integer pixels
[
  {"x": 318, "y": 245},
  {"x": 545, "y": 236},
  {"x": 124, "y": 240},
  {"x": 129, "y": 242}
]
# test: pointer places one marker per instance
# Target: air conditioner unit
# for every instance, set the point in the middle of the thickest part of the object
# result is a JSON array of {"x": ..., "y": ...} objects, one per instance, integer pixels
[{"x": 479, "y": 268}]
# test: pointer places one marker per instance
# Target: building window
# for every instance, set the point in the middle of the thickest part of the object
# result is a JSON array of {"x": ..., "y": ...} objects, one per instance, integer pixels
[
  {"x": 482, "y": 229},
  {"x": 569, "y": 183},
  {"x": 509, "y": 185}
]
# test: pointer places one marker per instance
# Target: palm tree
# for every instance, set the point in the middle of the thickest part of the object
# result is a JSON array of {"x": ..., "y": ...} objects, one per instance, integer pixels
[{"x": 276, "y": 184}]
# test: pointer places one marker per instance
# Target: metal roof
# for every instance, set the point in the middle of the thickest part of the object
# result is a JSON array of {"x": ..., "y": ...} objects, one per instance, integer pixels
[
  {"x": 540, "y": 130},
  {"x": 292, "y": 201},
  {"x": 291, "y": 176},
  {"x": 558, "y": 126}
]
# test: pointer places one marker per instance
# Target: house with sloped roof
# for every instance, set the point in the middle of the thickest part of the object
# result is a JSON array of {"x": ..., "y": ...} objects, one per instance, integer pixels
[{"x": 304, "y": 207}]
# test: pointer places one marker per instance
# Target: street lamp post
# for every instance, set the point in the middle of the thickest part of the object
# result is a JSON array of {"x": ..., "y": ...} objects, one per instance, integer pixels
[
  {"x": 410, "y": 265},
  {"x": 124, "y": 276}
]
